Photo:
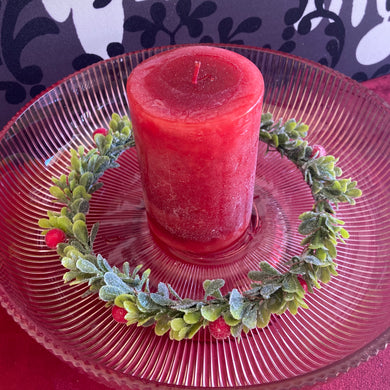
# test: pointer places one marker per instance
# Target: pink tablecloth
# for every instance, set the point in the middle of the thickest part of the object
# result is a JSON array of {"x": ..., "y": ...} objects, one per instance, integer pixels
[{"x": 24, "y": 364}]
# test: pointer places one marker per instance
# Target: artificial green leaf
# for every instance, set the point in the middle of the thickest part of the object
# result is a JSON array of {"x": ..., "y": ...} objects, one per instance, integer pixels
[
  {"x": 86, "y": 266},
  {"x": 121, "y": 299},
  {"x": 145, "y": 320},
  {"x": 265, "y": 136},
  {"x": 192, "y": 318},
  {"x": 103, "y": 264},
  {"x": 308, "y": 226},
  {"x": 301, "y": 303},
  {"x": 79, "y": 216},
  {"x": 298, "y": 269},
  {"x": 263, "y": 316},
  {"x": 81, "y": 193},
  {"x": 111, "y": 279},
  {"x": 290, "y": 125},
  {"x": 229, "y": 319},
  {"x": 236, "y": 302},
  {"x": 292, "y": 307},
  {"x": 93, "y": 234},
  {"x": 130, "y": 306},
  {"x": 270, "y": 288},
  {"x": 236, "y": 330},
  {"x": 267, "y": 268},
  {"x": 95, "y": 283},
  {"x": 145, "y": 302},
  {"x": 193, "y": 330},
  {"x": 181, "y": 334},
  {"x": 86, "y": 179},
  {"x": 354, "y": 193},
  {"x": 211, "y": 312},
  {"x": 126, "y": 131},
  {"x": 69, "y": 276},
  {"x": 290, "y": 284},
  {"x": 132, "y": 312},
  {"x": 178, "y": 324},
  {"x": 44, "y": 223},
  {"x": 344, "y": 233},
  {"x": 95, "y": 187},
  {"x": 162, "y": 327},
  {"x": 136, "y": 270},
  {"x": 109, "y": 140},
  {"x": 289, "y": 297},
  {"x": 258, "y": 276},
  {"x": 80, "y": 206},
  {"x": 324, "y": 275},
  {"x": 310, "y": 259},
  {"x": 58, "y": 193},
  {"x": 338, "y": 172},
  {"x": 266, "y": 272},
  {"x": 80, "y": 231},
  {"x": 249, "y": 319},
  {"x": 275, "y": 303},
  {"x": 160, "y": 299},
  {"x": 316, "y": 187},
  {"x": 302, "y": 129},
  {"x": 109, "y": 293},
  {"x": 294, "y": 134},
  {"x": 114, "y": 123},
  {"x": 69, "y": 263},
  {"x": 126, "y": 269},
  {"x": 332, "y": 269},
  {"x": 65, "y": 224},
  {"x": 308, "y": 215},
  {"x": 211, "y": 287},
  {"x": 184, "y": 304},
  {"x": 275, "y": 140},
  {"x": 101, "y": 164},
  {"x": 100, "y": 141},
  {"x": 331, "y": 248},
  {"x": 163, "y": 289},
  {"x": 74, "y": 161}
]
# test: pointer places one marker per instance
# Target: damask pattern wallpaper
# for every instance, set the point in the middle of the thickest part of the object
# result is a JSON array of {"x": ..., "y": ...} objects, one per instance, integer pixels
[{"x": 42, "y": 41}]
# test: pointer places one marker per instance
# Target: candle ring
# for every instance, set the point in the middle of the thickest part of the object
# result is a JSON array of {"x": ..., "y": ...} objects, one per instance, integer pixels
[{"x": 127, "y": 291}]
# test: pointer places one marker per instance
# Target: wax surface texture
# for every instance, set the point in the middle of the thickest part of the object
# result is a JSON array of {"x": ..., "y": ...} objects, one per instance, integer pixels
[{"x": 196, "y": 115}]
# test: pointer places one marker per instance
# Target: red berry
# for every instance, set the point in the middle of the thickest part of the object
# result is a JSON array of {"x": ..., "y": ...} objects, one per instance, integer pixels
[
  {"x": 54, "y": 237},
  {"x": 303, "y": 283},
  {"x": 118, "y": 313},
  {"x": 101, "y": 130},
  {"x": 219, "y": 329},
  {"x": 318, "y": 151}
]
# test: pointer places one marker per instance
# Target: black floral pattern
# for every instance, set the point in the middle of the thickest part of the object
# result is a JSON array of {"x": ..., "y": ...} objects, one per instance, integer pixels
[
  {"x": 12, "y": 45},
  {"x": 100, "y": 3},
  {"x": 28, "y": 30},
  {"x": 226, "y": 32},
  {"x": 382, "y": 71},
  {"x": 335, "y": 28},
  {"x": 186, "y": 18},
  {"x": 84, "y": 60}
]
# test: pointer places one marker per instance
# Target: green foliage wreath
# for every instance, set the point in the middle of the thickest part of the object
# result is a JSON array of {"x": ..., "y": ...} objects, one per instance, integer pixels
[{"x": 128, "y": 291}]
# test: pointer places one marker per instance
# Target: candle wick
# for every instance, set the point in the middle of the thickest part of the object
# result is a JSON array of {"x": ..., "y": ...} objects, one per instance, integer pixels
[{"x": 196, "y": 72}]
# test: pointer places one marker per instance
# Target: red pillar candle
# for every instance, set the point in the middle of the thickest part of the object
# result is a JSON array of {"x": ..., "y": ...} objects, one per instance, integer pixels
[{"x": 196, "y": 116}]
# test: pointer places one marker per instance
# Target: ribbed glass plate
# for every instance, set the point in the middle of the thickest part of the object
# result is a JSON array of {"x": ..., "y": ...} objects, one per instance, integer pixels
[{"x": 348, "y": 318}]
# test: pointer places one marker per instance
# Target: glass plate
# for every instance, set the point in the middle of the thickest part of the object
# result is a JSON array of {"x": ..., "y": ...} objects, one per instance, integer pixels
[{"x": 348, "y": 320}]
